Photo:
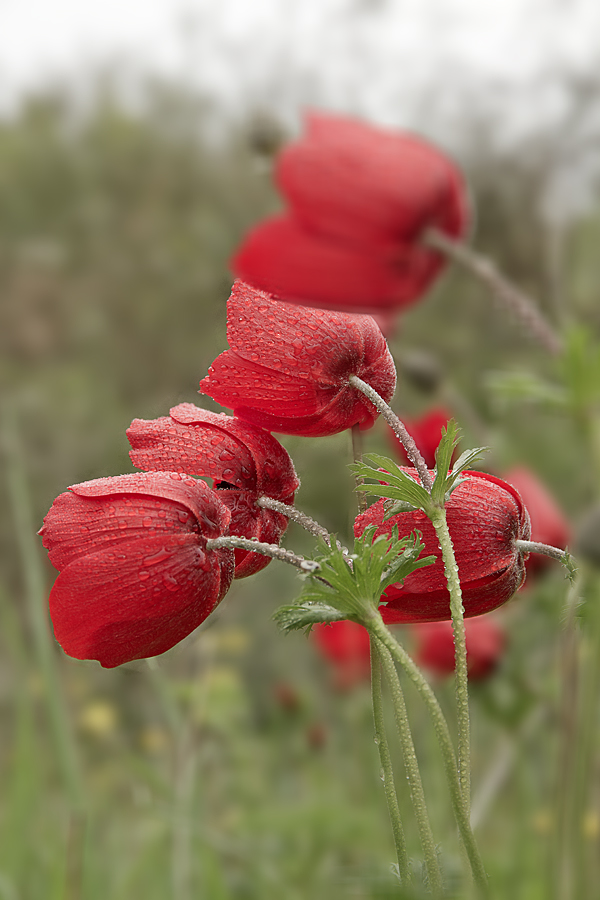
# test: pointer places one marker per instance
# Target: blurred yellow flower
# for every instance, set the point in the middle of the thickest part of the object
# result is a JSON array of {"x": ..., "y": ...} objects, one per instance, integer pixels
[{"x": 99, "y": 718}]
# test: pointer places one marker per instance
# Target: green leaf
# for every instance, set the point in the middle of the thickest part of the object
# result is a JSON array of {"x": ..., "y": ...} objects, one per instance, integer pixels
[
  {"x": 350, "y": 586},
  {"x": 301, "y": 616},
  {"x": 443, "y": 458},
  {"x": 400, "y": 486}
]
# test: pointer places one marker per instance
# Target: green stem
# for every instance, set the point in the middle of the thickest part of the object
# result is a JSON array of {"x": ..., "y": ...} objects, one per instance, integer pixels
[
  {"x": 438, "y": 520},
  {"x": 386, "y": 765},
  {"x": 376, "y": 626},
  {"x": 413, "y": 775}
]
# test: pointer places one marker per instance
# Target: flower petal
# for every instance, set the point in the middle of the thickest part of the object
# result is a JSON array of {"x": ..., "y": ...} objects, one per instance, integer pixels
[
  {"x": 355, "y": 182},
  {"x": 137, "y": 599},
  {"x": 280, "y": 256}
]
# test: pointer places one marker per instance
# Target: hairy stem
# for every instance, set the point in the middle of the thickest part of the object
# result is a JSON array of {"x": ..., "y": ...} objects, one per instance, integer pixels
[
  {"x": 273, "y": 550},
  {"x": 357, "y": 456},
  {"x": 544, "y": 549},
  {"x": 522, "y": 306},
  {"x": 397, "y": 427},
  {"x": 438, "y": 520},
  {"x": 376, "y": 626},
  {"x": 386, "y": 765},
  {"x": 413, "y": 774},
  {"x": 295, "y": 515}
]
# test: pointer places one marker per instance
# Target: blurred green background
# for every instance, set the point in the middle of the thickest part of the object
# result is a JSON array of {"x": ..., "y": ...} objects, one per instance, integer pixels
[{"x": 231, "y": 767}]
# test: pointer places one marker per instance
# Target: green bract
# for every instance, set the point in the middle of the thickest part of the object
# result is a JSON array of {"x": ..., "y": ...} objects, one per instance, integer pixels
[{"x": 349, "y": 586}]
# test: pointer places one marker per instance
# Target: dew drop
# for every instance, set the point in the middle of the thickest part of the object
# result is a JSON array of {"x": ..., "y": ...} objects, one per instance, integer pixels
[
  {"x": 158, "y": 557},
  {"x": 143, "y": 576},
  {"x": 147, "y": 522},
  {"x": 183, "y": 516}
]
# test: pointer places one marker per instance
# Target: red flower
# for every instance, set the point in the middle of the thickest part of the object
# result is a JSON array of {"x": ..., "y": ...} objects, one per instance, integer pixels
[
  {"x": 288, "y": 366},
  {"x": 548, "y": 523},
  {"x": 485, "y": 517},
  {"x": 361, "y": 198},
  {"x": 426, "y": 432},
  {"x": 244, "y": 462},
  {"x": 346, "y": 645},
  {"x": 435, "y": 646},
  {"x": 135, "y": 574}
]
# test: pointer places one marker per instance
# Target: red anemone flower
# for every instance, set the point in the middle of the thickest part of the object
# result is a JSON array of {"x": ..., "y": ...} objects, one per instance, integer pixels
[
  {"x": 485, "y": 516},
  {"x": 245, "y": 463},
  {"x": 548, "y": 523},
  {"x": 346, "y": 645},
  {"x": 361, "y": 199},
  {"x": 135, "y": 574},
  {"x": 485, "y": 639},
  {"x": 288, "y": 367},
  {"x": 426, "y": 432}
]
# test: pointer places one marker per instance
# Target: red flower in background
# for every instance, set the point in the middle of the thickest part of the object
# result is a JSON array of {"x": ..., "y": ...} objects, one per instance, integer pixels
[
  {"x": 135, "y": 575},
  {"x": 288, "y": 366},
  {"x": 245, "y": 463},
  {"x": 426, "y": 432},
  {"x": 434, "y": 641},
  {"x": 548, "y": 523},
  {"x": 485, "y": 516},
  {"x": 360, "y": 200},
  {"x": 346, "y": 645}
]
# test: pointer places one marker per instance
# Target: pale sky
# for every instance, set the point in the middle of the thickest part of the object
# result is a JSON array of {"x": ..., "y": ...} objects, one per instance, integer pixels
[{"x": 416, "y": 63}]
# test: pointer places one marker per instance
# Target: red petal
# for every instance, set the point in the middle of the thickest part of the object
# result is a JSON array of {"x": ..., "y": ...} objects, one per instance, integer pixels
[
  {"x": 136, "y": 600},
  {"x": 548, "y": 523},
  {"x": 109, "y": 511},
  {"x": 281, "y": 257},
  {"x": 275, "y": 473},
  {"x": 289, "y": 367},
  {"x": 250, "y": 521},
  {"x": 361, "y": 184},
  {"x": 485, "y": 516},
  {"x": 198, "y": 498},
  {"x": 204, "y": 447}
]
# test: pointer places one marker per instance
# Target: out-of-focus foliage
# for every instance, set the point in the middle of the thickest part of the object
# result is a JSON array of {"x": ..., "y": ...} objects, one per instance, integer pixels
[{"x": 233, "y": 770}]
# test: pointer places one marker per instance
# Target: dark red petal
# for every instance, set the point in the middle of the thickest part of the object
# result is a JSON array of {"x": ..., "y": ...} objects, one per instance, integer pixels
[
  {"x": 203, "y": 447},
  {"x": 275, "y": 475},
  {"x": 136, "y": 600},
  {"x": 280, "y": 256}
]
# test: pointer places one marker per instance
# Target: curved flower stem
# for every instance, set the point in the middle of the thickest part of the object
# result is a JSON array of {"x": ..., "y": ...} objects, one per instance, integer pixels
[
  {"x": 411, "y": 765},
  {"x": 357, "y": 454},
  {"x": 544, "y": 549},
  {"x": 438, "y": 520},
  {"x": 386, "y": 765},
  {"x": 376, "y": 626},
  {"x": 273, "y": 550},
  {"x": 513, "y": 297},
  {"x": 397, "y": 427},
  {"x": 295, "y": 515}
]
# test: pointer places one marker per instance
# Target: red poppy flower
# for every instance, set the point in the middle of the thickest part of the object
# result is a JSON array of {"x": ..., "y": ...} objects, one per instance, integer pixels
[
  {"x": 485, "y": 640},
  {"x": 485, "y": 516},
  {"x": 346, "y": 645},
  {"x": 135, "y": 574},
  {"x": 548, "y": 523},
  {"x": 288, "y": 366},
  {"x": 360, "y": 200},
  {"x": 426, "y": 432},
  {"x": 245, "y": 463}
]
